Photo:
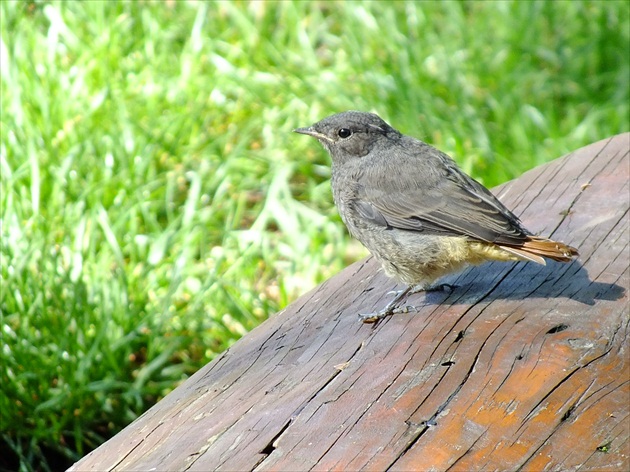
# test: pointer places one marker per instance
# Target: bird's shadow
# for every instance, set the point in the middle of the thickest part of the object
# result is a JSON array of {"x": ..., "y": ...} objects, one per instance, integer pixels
[{"x": 518, "y": 281}]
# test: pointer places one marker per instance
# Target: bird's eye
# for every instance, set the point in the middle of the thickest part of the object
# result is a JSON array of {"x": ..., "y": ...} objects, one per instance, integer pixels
[{"x": 344, "y": 133}]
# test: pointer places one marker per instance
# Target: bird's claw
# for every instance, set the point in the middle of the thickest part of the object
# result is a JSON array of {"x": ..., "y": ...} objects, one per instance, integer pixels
[
  {"x": 370, "y": 318},
  {"x": 447, "y": 288},
  {"x": 395, "y": 292}
]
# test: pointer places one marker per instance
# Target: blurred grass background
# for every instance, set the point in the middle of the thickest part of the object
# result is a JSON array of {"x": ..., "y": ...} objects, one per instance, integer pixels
[{"x": 156, "y": 206}]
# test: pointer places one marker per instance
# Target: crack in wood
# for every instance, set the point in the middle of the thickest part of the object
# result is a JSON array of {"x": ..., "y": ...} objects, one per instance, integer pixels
[
  {"x": 568, "y": 413},
  {"x": 509, "y": 373},
  {"x": 460, "y": 336},
  {"x": 557, "y": 329},
  {"x": 195, "y": 456},
  {"x": 582, "y": 400},
  {"x": 350, "y": 427},
  {"x": 432, "y": 421},
  {"x": 136, "y": 445},
  {"x": 468, "y": 450},
  {"x": 606, "y": 447},
  {"x": 554, "y": 388},
  {"x": 273, "y": 444},
  {"x": 271, "y": 335},
  {"x": 122, "y": 459}
]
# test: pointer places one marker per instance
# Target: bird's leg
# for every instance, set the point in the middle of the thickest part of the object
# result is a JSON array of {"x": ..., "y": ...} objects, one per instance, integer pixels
[
  {"x": 389, "y": 310},
  {"x": 392, "y": 309}
]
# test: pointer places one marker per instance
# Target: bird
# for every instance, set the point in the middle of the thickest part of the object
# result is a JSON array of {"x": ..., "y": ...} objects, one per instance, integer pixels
[{"x": 415, "y": 210}]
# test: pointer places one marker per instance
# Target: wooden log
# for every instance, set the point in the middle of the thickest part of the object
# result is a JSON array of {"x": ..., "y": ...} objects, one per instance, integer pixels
[{"x": 521, "y": 367}]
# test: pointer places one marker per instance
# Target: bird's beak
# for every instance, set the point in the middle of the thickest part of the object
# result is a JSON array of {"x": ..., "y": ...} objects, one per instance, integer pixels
[{"x": 311, "y": 132}]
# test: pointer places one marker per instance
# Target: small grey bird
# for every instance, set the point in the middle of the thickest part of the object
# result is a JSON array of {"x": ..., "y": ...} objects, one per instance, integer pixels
[{"x": 415, "y": 210}]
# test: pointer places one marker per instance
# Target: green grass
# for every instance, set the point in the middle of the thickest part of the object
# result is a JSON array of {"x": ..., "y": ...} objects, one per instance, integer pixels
[{"x": 156, "y": 206}]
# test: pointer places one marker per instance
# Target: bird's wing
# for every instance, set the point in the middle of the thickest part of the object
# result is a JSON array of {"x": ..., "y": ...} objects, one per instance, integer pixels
[{"x": 450, "y": 203}]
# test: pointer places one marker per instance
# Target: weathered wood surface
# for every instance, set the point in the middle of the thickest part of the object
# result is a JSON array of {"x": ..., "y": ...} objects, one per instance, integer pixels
[{"x": 521, "y": 367}]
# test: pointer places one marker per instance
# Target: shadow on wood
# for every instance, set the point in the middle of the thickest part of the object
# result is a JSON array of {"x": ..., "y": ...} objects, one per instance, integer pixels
[{"x": 521, "y": 366}]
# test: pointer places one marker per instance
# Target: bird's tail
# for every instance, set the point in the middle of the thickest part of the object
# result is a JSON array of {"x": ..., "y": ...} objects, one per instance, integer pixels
[{"x": 535, "y": 248}]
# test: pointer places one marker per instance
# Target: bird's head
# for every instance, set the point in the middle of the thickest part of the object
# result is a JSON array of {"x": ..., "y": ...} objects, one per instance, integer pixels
[{"x": 351, "y": 134}]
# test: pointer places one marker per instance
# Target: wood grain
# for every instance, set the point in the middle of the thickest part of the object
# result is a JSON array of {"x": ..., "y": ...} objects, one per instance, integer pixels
[{"x": 521, "y": 367}]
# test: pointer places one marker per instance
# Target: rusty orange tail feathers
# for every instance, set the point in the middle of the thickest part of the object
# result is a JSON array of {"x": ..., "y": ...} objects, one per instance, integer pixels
[{"x": 535, "y": 249}]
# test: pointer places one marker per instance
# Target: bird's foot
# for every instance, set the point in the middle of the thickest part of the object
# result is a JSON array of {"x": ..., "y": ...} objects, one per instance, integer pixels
[
  {"x": 389, "y": 310},
  {"x": 392, "y": 309},
  {"x": 369, "y": 318},
  {"x": 446, "y": 288},
  {"x": 398, "y": 292}
]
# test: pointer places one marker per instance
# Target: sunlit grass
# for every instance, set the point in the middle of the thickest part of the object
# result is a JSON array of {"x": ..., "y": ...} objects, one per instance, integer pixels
[{"x": 156, "y": 206}]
